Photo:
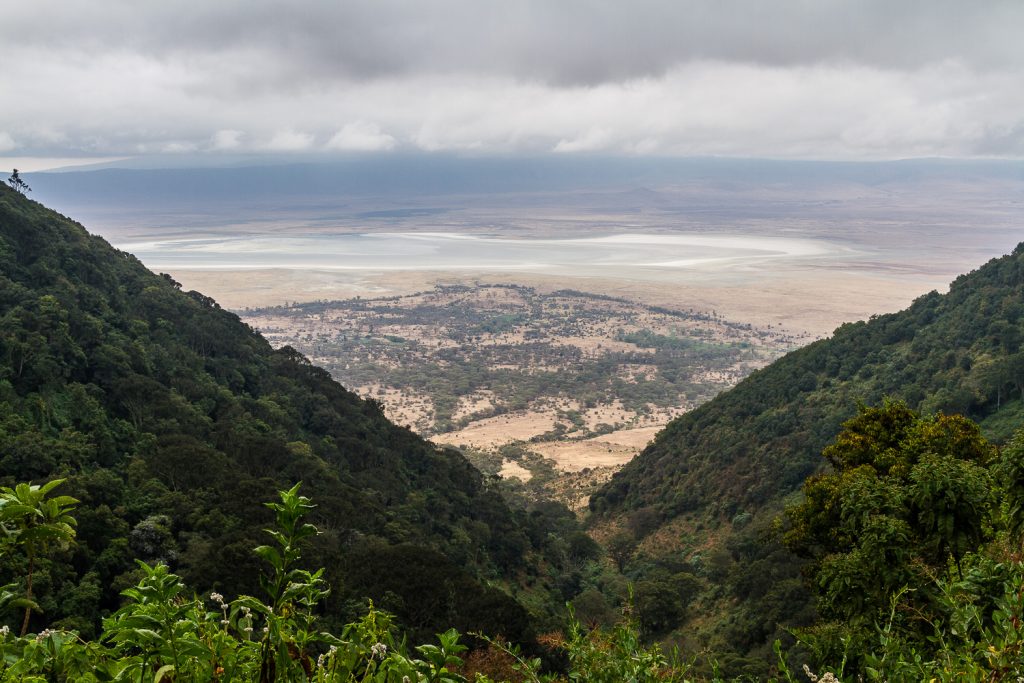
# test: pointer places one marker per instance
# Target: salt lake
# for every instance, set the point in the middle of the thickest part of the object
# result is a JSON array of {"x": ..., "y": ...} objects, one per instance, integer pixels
[{"x": 454, "y": 251}]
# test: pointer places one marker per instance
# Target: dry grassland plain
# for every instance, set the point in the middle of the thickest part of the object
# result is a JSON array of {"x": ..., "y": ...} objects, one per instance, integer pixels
[
  {"x": 881, "y": 246},
  {"x": 585, "y": 379}
]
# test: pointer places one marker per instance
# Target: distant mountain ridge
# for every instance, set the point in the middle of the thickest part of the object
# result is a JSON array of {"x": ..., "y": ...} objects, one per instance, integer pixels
[
  {"x": 402, "y": 178},
  {"x": 172, "y": 421}
]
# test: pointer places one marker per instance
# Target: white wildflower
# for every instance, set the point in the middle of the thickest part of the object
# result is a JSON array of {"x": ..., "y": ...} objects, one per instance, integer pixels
[
  {"x": 225, "y": 622},
  {"x": 5, "y": 630},
  {"x": 217, "y": 597},
  {"x": 827, "y": 677},
  {"x": 378, "y": 650}
]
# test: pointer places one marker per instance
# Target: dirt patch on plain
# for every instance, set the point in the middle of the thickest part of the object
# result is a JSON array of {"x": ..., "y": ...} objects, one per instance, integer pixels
[
  {"x": 499, "y": 430},
  {"x": 610, "y": 450},
  {"x": 403, "y": 407},
  {"x": 511, "y": 469},
  {"x": 632, "y": 438}
]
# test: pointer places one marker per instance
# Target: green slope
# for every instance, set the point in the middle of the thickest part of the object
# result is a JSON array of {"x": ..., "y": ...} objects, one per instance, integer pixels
[
  {"x": 172, "y": 421},
  {"x": 710, "y": 485},
  {"x": 957, "y": 353}
]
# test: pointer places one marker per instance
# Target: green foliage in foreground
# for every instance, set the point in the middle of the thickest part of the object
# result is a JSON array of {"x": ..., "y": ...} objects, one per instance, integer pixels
[
  {"x": 33, "y": 521},
  {"x": 914, "y": 541},
  {"x": 906, "y": 497},
  {"x": 162, "y": 633},
  {"x": 966, "y": 625},
  {"x": 723, "y": 471},
  {"x": 165, "y": 415},
  {"x": 976, "y": 634}
]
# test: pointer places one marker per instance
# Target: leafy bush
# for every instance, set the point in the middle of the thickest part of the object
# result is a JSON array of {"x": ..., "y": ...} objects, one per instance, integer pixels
[{"x": 161, "y": 633}]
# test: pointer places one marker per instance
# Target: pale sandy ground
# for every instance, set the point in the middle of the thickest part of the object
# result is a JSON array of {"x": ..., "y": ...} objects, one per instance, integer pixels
[
  {"x": 403, "y": 407},
  {"x": 610, "y": 414},
  {"x": 609, "y": 450},
  {"x": 630, "y": 438},
  {"x": 501, "y": 429},
  {"x": 510, "y": 468}
]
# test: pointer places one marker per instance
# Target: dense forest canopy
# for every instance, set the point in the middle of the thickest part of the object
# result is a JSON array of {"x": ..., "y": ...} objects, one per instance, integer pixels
[
  {"x": 958, "y": 353},
  {"x": 710, "y": 485},
  {"x": 169, "y": 419},
  {"x": 909, "y": 494}
]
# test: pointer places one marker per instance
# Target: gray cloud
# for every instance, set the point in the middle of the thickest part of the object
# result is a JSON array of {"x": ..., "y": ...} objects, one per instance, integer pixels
[
  {"x": 566, "y": 42},
  {"x": 783, "y": 78}
]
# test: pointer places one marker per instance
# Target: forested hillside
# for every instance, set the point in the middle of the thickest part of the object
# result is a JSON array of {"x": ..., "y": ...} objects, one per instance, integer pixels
[
  {"x": 956, "y": 353},
  {"x": 710, "y": 485},
  {"x": 171, "y": 421}
]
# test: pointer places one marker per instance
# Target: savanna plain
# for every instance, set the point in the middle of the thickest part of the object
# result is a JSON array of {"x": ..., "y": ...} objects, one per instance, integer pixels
[{"x": 557, "y": 332}]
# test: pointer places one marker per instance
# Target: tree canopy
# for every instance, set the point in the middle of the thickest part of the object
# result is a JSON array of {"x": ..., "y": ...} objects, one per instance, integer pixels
[
  {"x": 907, "y": 498},
  {"x": 17, "y": 184},
  {"x": 166, "y": 416}
]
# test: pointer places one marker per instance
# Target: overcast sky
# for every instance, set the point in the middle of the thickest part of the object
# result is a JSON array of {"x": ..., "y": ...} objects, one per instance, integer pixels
[{"x": 820, "y": 79}]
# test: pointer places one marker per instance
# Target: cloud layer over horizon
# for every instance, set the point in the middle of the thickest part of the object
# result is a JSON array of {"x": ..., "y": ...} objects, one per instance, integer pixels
[{"x": 787, "y": 79}]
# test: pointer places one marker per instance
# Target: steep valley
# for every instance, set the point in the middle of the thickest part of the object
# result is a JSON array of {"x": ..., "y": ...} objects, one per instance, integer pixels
[
  {"x": 171, "y": 419},
  {"x": 581, "y": 380}
]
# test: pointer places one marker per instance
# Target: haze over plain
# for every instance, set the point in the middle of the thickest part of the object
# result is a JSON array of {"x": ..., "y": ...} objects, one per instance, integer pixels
[{"x": 535, "y": 120}]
